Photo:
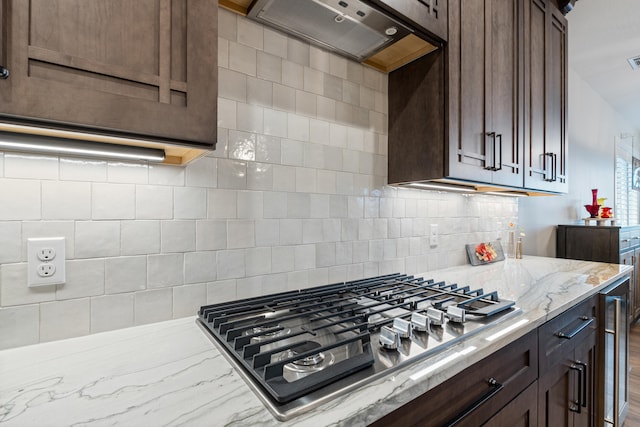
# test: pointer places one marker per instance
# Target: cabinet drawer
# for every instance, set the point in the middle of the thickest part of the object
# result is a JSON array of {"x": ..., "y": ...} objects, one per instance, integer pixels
[
  {"x": 560, "y": 335},
  {"x": 515, "y": 367},
  {"x": 625, "y": 240}
]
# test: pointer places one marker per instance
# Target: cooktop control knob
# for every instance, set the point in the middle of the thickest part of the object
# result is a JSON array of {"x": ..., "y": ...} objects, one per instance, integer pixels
[
  {"x": 389, "y": 338},
  {"x": 436, "y": 317},
  {"x": 402, "y": 327},
  {"x": 419, "y": 322},
  {"x": 456, "y": 314}
]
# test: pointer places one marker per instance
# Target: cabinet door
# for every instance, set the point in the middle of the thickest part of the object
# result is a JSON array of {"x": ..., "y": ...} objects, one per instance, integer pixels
[
  {"x": 484, "y": 88},
  {"x": 545, "y": 56},
  {"x": 144, "y": 67},
  {"x": 521, "y": 411}
]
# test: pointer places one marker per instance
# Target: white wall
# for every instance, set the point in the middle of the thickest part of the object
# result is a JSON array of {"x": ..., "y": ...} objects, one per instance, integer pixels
[
  {"x": 593, "y": 128},
  {"x": 293, "y": 196}
]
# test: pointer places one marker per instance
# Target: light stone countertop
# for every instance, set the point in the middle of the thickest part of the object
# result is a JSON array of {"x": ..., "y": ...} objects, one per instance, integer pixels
[{"x": 170, "y": 373}]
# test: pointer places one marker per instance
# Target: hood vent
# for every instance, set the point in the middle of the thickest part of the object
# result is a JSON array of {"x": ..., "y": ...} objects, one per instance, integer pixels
[
  {"x": 634, "y": 62},
  {"x": 348, "y": 27}
]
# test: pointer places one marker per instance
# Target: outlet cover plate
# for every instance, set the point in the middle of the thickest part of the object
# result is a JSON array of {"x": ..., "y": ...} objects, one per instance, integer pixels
[{"x": 34, "y": 248}]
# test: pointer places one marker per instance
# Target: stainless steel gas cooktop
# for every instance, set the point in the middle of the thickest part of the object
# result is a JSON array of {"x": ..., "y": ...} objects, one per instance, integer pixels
[{"x": 301, "y": 348}]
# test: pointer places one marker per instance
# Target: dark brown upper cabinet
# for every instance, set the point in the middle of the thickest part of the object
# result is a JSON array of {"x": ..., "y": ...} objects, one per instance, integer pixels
[
  {"x": 545, "y": 55},
  {"x": 464, "y": 114},
  {"x": 145, "y": 69}
]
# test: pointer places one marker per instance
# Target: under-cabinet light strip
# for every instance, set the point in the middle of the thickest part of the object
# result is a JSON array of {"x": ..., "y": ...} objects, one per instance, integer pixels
[
  {"x": 19, "y": 142},
  {"x": 441, "y": 363}
]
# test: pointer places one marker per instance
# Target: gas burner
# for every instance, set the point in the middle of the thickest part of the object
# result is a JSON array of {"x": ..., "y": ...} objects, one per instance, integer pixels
[
  {"x": 263, "y": 333},
  {"x": 307, "y": 365}
]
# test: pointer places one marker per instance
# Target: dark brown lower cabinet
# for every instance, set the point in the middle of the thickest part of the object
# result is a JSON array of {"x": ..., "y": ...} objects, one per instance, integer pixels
[
  {"x": 495, "y": 382},
  {"x": 568, "y": 357},
  {"x": 521, "y": 411},
  {"x": 546, "y": 378}
]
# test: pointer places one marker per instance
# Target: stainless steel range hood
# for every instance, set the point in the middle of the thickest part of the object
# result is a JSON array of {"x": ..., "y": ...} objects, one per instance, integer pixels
[{"x": 351, "y": 28}]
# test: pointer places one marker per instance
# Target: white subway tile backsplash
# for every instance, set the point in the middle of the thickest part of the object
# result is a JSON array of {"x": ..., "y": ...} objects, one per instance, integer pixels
[
  {"x": 259, "y": 176},
  {"x": 72, "y": 169},
  {"x": 19, "y": 199},
  {"x": 231, "y": 264},
  {"x": 350, "y": 92},
  {"x": 312, "y": 231},
  {"x": 275, "y": 205},
  {"x": 305, "y": 257},
  {"x": 112, "y": 201},
  {"x": 284, "y": 97},
  {"x": 284, "y": 178},
  {"x": 110, "y": 312},
  {"x": 202, "y": 173},
  {"x": 124, "y": 172},
  {"x": 165, "y": 270},
  {"x": 267, "y": 232},
  {"x": 188, "y": 299},
  {"x": 177, "y": 236},
  {"x": 221, "y": 291},
  {"x": 250, "y": 118},
  {"x": 243, "y": 59},
  {"x": 290, "y": 231},
  {"x": 338, "y": 66},
  {"x": 258, "y": 261},
  {"x": 305, "y": 103},
  {"x": 223, "y": 53},
  {"x": 283, "y": 258},
  {"x": 250, "y": 205},
  {"x": 19, "y": 326},
  {"x": 235, "y": 86},
  {"x": 344, "y": 253},
  {"x": 125, "y": 274},
  {"x": 269, "y": 67},
  {"x": 154, "y": 202},
  {"x": 94, "y": 239},
  {"x": 31, "y": 166},
  {"x": 325, "y": 254},
  {"x": 292, "y": 152},
  {"x": 84, "y": 278},
  {"x": 275, "y": 124},
  {"x": 222, "y": 204},
  {"x": 306, "y": 180},
  {"x": 200, "y": 267},
  {"x": 140, "y": 237},
  {"x": 227, "y": 117},
  {"x": 275, "y": 43},
  {"x": 190, "y": 203},
  {"x": 153, "y": 306},
  {"x": 268, "y": 148},
  {"x": 250, "y": 34},
  {"x": 298, "y": 51},
  {"x": 298, "y": 205},
  {"x": 166, "y": 175},
  {"x": 326, "y": 181},
  {"x": 227, "y": 24},
  {"x": 10, "y": 241},
  {"x": 297, "y": 127},
  {"x": 66, "y": 200},
  {"x": 14, "y": 290},
  {"x": 259, "y": 92},
  {"x": 232, "y": 174},
  {"x": 64, "y": 319},
  {"x": 319, "y": 206},
  {"x": 293, "y": 75},
  {"x": 240, "y": 234},
  {"x": 211, "y": 235}
]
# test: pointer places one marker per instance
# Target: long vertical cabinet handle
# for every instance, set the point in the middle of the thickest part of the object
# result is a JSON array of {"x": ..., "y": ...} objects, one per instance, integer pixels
[
  {"x": 4, "y": 36},
  {"x": 499, "y": 136},
  {"x": 576, "y": 405},
  {"x": 583, "y": 391},
  {"x": 548, "y": 167},
  {"x": 555, "y": 168},
  {"x": 488, "y": 166},
  {"x": 616, "y": 362}
]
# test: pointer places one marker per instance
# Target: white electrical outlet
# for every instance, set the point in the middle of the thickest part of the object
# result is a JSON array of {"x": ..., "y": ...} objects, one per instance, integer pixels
[
  {"x": 433, "y": 235},
  {"x": 46, "y": 261}
]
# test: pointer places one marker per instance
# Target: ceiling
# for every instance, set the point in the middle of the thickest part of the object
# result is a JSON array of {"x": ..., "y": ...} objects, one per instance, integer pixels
[{"x": 602, "y": 36}]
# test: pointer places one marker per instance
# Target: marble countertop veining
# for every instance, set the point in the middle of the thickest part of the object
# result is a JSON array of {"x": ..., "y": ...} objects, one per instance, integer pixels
[{"x": 170, "y": 374}]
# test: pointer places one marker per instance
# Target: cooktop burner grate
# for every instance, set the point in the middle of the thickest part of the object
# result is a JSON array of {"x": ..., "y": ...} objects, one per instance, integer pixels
[{"x": 294, "y": 343}]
